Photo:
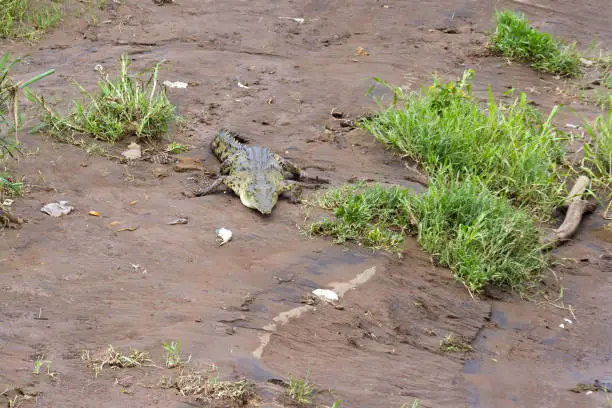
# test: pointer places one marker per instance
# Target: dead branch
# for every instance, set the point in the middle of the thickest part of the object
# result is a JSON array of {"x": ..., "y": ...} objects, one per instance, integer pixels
[{"x": 576, "y": 208}]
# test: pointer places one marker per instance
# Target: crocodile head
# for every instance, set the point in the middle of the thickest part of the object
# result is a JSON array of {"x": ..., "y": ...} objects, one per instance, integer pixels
[{"x": 261, "y": 198}]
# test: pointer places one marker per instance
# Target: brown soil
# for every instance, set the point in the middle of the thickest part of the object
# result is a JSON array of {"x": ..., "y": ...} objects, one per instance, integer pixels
[{"x": 76, "y": 283}]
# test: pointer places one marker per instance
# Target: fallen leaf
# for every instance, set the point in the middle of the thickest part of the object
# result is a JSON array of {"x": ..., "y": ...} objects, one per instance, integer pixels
[{"x": 361, "y": 52}]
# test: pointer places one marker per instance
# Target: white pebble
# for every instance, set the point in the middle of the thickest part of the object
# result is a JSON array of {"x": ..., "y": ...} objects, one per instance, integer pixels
[{"x": 223, "y": 235}]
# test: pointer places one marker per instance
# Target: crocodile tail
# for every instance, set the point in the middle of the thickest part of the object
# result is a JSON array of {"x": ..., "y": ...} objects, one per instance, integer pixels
[{"x": 224, "y": 144}]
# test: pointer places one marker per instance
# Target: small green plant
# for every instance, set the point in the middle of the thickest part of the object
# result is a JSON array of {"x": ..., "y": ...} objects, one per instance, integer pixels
[
  {"x": 37, "y": 366},
  {"x": 336, "y": 404},
  {"x": 122, "y": 107},
  {"x": 301, "y": 391},
  {"x": 373, "y": 217},
  {"x": 8, "y": 186},
  {"x": 49, "y": 372},
  {"x": 28, "y": 19},
  {"x": 173, "y": 354},
  {"x": 451, "y": 343},
  {"x": 515, "y": 38},
  {"x": 39, "y": 363},
  {"x": 177, "y": 148},
  {"x": 415, "y": 404}
]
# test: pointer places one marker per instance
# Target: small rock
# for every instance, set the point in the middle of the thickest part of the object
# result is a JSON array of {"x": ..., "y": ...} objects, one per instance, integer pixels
[
  {"x": 224, "y": 235},
  {"x": 586, "y": 62},
  {"x": 177, "y": 84},
  {"x": 57, "y": 209},
  {"x": 326, "y": 294},
  {"x": 339, "y": 306},
  {"x": 448, "y": 29},
  {"x": 179, "y": 221},
  {"x": 160, "y": 172},
  {"x": 133, "y": 152},
  {"x": 309, "y": 300},
  {"x": 186, "y": 164}
]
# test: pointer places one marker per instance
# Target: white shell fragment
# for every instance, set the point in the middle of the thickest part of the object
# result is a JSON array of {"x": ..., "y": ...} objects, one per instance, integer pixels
[
  {"x": 177, "y": 84},
  {"x": 223, "y": 235},
  {"x": 298, "y": 20},
  {"x": 326, "y": 294}
]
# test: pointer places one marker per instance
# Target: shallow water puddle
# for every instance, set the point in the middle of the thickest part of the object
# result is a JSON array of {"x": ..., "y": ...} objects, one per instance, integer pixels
[
  {"x": 520, "y": 353},
  {"x": 282, "y": 318}
]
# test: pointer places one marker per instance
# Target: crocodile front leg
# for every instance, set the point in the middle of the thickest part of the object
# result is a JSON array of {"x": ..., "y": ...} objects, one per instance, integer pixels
[
  {"x": 293, "y": 172},
  {"x": 215, "y": 184},
  {"x": 294, "y": 189}
]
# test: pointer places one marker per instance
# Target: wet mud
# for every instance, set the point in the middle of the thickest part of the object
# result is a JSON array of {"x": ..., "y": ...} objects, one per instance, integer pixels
[{"x": 77, "y": 283}]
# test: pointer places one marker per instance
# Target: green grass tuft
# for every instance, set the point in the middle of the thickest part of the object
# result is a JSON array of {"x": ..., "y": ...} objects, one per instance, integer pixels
[
  {"x": 492, "y": 172},
  {"x": 507, "y": 146},
  {"x": 10, "y": 119},
  {"x": 10, "y": 122},
  {"x": 301, "y": 391},
  {"x": 122, "y": 107},
  {"x": 373, "y": 217},
  {"x": 515, "y": 38},
  {"x": 173, "y": 354},
  {"x": 479, "y": 236},
  {"x": 598, "y": 151},
  {"x": 28, "y": 19}
]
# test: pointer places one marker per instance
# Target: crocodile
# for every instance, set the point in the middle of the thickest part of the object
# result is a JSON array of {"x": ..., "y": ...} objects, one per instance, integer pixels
[{"x": 254, "y": 173}]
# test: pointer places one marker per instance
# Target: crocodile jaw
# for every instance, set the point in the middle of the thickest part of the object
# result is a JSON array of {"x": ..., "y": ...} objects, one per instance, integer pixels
[{"x": 259, "y": 202}]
